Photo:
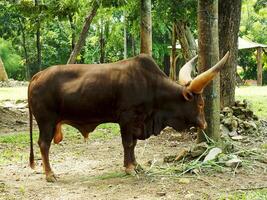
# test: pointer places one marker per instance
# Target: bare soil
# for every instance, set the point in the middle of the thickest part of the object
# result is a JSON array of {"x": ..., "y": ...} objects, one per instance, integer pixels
[{"x": 94, "y": 170}]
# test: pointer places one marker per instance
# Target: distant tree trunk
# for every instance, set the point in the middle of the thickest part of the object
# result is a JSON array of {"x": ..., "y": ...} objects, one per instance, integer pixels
[
  {"x": 23, "y": 35},
  {"x": 229, "y": 21},
  {"x": 133, "y": 46},
  {"x": 101, "y": 41},
  {"x": 38, "y": 41},
  {"x": 173, "y": 54},
  {"x": 146, "y": 27},
  {"x": 125, "y": 36},
  {"x": 83, "y": 34},
  {"x": 208, "y": 56},
  {"x": 72, "y": 26},
  {"x": 3, "y": 74},
  {"x": 186, "y": 40}
]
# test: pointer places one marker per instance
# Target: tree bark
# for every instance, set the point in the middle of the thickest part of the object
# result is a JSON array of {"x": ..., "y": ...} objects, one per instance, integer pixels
[
  {"x": 173, "y": 54},
  {"x": 146, "y": 27},
  {"x": 23, "y": 35},
  {"x": 72, "y": 26},
  {"x": 38, "y": 40},
  {"x": 3, "y": 74},
  {"x": 83, "y": 34},
  {"x": 125, "y": 36},
  {"x": 229, "y": 18},
  {"x": 133, "y": 46},
  {"x": 259, "y": 66},
  {"x": 208, "y": 56},
  {"x": 101, "y": 41},
  {"x": 186, "y": 40}
]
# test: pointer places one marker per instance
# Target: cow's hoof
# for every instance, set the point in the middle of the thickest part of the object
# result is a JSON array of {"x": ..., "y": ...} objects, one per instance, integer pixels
[
  {"x": 139, "y": 169},
  {"x": 51, "y": 178},
  {"x": 134, "y": 170}
]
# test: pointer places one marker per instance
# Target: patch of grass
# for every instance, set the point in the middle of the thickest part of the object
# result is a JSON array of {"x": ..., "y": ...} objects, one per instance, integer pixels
[
  {"x": 111, "y": 175},
  {"x": 13, "y": 93},
  {"x": 257, "y": 96},
  {"x": 246, "y": 195},
  {"x": 103, "y": 131},
  {"x": 18, "y": 140}
]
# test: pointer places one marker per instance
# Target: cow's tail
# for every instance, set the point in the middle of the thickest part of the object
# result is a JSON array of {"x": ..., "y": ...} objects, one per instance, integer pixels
[{"x": 31, "y": 140}]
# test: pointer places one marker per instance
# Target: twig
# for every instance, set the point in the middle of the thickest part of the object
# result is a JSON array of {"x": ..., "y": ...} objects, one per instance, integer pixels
[{"x": 250, "y": 188}]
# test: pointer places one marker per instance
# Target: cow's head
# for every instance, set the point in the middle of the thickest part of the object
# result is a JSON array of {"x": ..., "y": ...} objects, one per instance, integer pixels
[{"x": 191, "y": 113}]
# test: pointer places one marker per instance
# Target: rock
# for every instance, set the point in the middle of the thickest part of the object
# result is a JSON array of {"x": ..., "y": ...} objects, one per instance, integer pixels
[
  {"x": 184, "y": 180},
  {"x": 234, "y": 124},
  {"x": 161, "y": 194},
  {"x": 227, "y": 122},
  {"x": 237, "y": 111},
  {"x": 213, "y": 153},
  {"x": 232, "y": 134},
  {"x": 234, "y": 162},
  {"x": 227, "y": 110},
  {"x": 198, "y": 149},
  {"x": 182, "y": 154},
  {"x": 224, "y": 130},
  {"x": 237, "y": 138}
]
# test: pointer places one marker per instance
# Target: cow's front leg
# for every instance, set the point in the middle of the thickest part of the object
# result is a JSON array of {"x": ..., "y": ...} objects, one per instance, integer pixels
[{"x": 130, "y": 164}]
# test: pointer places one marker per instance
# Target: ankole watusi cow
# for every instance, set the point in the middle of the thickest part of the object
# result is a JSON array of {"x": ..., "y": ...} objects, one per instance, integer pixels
[{"x": 134, "y": 93}]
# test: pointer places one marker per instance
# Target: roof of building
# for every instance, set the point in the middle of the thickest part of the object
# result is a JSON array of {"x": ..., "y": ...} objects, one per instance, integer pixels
[{"x": 242, "y": 44}]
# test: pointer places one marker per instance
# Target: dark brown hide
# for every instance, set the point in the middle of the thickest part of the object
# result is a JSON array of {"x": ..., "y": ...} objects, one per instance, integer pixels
[{"x": 134, "y": 93}]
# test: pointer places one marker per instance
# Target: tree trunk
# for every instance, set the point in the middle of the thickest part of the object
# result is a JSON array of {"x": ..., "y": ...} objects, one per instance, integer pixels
[
  {"x": 186, "y": 40},
  {"x": 102, "y": 42},
  {"x": 208, "y": 56},
  {"x": 146, "y": 27},
  {"x": 38, "y": 41},
  {"x": 133, "y": 46},
  {"x": 3, "y": 74},
  {"x": 229, "y": 18},
  {"x": 259, "y": 66},
  {"x": 125, "y": 36},
  {"x": 173, "y": 54},
  {"x": 72, "y": 26},
  {"x": 83, "y": 34},
  {"x": 23, "y": 35}
]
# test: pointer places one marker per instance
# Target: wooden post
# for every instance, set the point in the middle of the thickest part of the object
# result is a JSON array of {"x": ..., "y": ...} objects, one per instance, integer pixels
[{"x": 259, "y": 66}]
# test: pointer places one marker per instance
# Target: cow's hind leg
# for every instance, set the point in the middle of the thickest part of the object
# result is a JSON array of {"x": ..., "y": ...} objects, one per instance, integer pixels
[
  {"x": 130, "y": 164},
  {"x": 47, "y": 131}
]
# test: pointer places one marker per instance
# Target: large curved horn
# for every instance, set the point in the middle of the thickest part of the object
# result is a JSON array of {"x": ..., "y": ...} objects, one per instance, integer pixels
[
  {"x": 201, "y": 81},
  {"x": 185, "y": 71}
]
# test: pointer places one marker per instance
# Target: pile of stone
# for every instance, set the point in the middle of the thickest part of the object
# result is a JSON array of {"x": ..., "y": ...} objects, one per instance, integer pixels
[
  {"x": 13, "y": 83},
  {"x": 239, "y": 120}
]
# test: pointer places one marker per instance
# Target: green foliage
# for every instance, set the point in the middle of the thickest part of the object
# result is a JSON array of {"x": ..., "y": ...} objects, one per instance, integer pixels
[
  {"x": 253, "y": 27},
  {"x": 246, "y": 195},
  {"x": 12, "y": 61}
]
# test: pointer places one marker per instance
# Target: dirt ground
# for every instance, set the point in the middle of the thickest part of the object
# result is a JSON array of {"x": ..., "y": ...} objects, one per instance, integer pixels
[{"x": 94, "y": 170}]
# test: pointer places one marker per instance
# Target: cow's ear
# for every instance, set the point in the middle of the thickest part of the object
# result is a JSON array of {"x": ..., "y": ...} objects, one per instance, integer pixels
[{"x": 188, "y": 95}]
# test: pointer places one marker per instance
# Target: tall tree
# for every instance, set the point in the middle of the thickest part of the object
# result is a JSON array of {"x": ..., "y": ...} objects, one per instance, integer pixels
[
  {"x": 83, "y": 34},
  {"x": 146, "y": 27},
  {"x": 229, "y": 18},
  {"x": 186, "y": 40},
  {"x": 38, "y": 37},
  {"x": 173, "y": 53},
  {"x": 208, "y": 56}
]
